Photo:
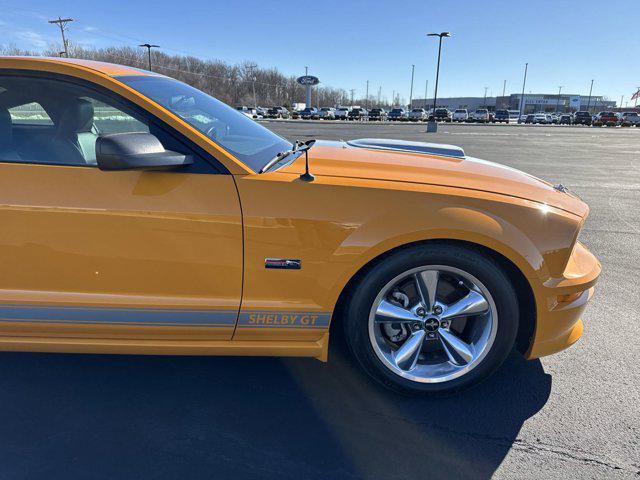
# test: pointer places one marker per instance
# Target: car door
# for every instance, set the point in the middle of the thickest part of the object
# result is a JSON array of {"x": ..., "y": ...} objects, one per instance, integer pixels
[{"x": 85, "y": 253}]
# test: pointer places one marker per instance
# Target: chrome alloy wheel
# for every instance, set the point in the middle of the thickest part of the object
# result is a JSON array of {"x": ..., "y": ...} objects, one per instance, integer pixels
[{"x": 433, "y": 324}]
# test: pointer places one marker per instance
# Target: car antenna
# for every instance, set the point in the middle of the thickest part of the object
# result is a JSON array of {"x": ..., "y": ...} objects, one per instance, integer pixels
[{"x": 306, "y": 176}]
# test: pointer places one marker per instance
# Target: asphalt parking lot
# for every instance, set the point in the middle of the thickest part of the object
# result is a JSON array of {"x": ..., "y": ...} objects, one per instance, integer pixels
[{"x": 572, "y": 415}]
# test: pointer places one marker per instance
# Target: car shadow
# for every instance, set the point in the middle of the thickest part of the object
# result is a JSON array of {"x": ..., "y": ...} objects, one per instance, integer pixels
[{"x": 102, "y": 416}]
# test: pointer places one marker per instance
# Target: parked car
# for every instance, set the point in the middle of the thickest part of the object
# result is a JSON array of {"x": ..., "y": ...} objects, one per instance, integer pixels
[
  {"x": 555, "y": 117},
  {"x": 608, "y": 119},
  {"x": 278, "y": 112},
  {"x": 541, "y": 118},
  {"x": 397, "y": 114},
  {"x": 480, "y": 115},
  {"x": 417, "y": 115},
  {"x": 522, "y": 118},
  {"x": 629, "y": 119},
  {"x": 342, "y": 113},
  {"x": 262, "y": 112},
  {"x": 327, "y": 113},
  {"x": 358, "y": 113},
  {"x": 181, "y": 261},
  {"x": 460, "y": 115},
  {"x": 249, "y": 112},
  {"x": 582, "y": 118},
  {"x": 440, "y": 115},
  {"x": 501, "y": 116},
  {"x": 530, "y": 118},
  {"x": 308, "y": 113},
  {"x": 377, "y": 114},
  {"x": 565, "y": 119}
]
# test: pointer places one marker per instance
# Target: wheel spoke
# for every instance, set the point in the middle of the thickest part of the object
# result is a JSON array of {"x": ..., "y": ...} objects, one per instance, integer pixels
[
  {"x": 427, "y": 285},
  {"x": 407, "y": 355},
  {"x": 458, "y": 351},
  {"x": 387, "y": 312},
  {"x": 471, "y": 304}
]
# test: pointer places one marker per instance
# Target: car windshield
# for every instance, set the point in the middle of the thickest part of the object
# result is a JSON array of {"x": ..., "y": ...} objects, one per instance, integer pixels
[
  {"x": 481, "y": 111},
  {"x": 247, "y": 140},
  {"x": 396, "y": 110},
  {"x": 461, "y": 111}
]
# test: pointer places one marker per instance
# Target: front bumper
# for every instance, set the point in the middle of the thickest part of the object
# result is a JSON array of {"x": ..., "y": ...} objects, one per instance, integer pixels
[{"x": 560, "y": 303}]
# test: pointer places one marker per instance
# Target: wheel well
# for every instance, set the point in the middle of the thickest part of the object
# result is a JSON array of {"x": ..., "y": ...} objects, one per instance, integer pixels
[{"x": 526, "y": 300}]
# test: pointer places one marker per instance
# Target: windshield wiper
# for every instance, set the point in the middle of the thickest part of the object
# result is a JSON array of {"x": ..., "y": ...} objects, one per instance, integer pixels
[{"x": 297, "y": 146}]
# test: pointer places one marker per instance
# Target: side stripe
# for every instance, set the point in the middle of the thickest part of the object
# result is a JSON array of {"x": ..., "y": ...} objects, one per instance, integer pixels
[
  {"x": 162, "y": 317},
  {"x": 117, "y": 316}
]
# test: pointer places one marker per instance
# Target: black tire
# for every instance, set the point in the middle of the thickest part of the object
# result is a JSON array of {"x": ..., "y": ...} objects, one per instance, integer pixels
[{"x": 468, "y": 259}]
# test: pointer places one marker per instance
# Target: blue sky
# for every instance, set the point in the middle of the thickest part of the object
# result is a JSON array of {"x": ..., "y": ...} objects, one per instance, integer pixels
[{"x": 349, "y": 41}]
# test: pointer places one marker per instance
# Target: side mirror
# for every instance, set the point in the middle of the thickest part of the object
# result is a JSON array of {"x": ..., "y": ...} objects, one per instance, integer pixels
[{"x": 136, "y": 151}]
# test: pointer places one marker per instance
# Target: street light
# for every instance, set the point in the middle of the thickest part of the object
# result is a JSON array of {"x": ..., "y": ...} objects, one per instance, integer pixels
[
  {"x": 433, "y": 126},
  {"x": 558, "y": 102}
]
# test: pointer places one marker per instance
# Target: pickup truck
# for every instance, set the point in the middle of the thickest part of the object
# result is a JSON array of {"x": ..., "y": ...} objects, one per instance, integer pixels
[
  {"x": 441, "y": 115},
  {"x": 377, "y": 114},
  {"x": 582, "y": 118},
  {"x": 480, "y": 115},
  {"x": 629, "y": 119},
  {"x": 358, "y": 114},
  {"x": 308, "y": 113},
  {"x": 342, "y": 113},
  {"x": 277, "y": 112},
  {"x": 397, "y": 114},
  {"x": 608, "y": 119},
  {"x": 327, "y": 113},
  {"x": 417, "y": 115},
  {"x": 460, "y": 115},
  {"x": 501, "y": 116}
]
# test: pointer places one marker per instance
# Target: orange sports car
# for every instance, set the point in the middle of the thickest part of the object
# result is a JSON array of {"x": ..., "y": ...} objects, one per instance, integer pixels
[{"x": 140, "y": 215}]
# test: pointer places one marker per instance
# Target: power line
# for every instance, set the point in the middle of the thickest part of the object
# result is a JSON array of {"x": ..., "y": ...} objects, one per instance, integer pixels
[
  {"x": 62, "y": 23},
  {"x": 149, "y": 46}
]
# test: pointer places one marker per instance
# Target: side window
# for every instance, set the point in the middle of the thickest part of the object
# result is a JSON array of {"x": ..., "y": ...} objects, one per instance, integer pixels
[
  {"x": 58, "y": 122},
  {"x": 29, "y": 114}
]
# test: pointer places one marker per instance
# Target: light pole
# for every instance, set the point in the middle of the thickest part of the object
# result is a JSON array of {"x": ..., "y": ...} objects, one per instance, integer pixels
[
  {"x": 253, "y": 83},
  {"x": 366, "y": 96},
  {"x": 426, "y": 92},
  {"x": 149, "y": 46},
  {"x": 413, "y": 69},
  {"x": 637, "y": 95},
  {"x": 433, "y": 126},
  {"x": 524, "y": 82},
  {"x": 484, "y": 103},
  {"x": 558, "y": 102},
  {"x": 589, "y": 101}
]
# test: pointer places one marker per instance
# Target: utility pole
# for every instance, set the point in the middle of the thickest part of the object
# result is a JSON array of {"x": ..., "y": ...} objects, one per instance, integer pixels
[
  {"x": 558, "y": 102},
  {"x": 62, "y": 23},
  {"x": 413, "y": 69},
  {"x": 149, "y": 46},
  {"x": 484, "y": 103},
  {"x": 379, "y": 94},
  {"x": 589, "y": 101},
  {"x": 353, "y": 90},
  {"x": 366, "y": 96},
  {"x": 621, "y": 99},
  {"x": 637, "y": 95},
  {"x": 251, "y": 68},
  {"x": 504, "y": 87},
  {"x": 524, "y": 82},
  {"x": 426, "y": 93},
  {"x": 393, "y": 99}
]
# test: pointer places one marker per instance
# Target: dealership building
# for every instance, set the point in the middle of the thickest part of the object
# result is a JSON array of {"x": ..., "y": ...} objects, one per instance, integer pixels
[{"x": 533, "y": 102}]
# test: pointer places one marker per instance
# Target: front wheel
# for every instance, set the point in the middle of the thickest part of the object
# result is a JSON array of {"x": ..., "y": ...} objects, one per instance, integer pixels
[{"x": 432, "y": 319}]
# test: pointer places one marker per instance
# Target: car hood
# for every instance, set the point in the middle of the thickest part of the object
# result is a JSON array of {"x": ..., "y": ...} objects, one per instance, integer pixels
[{"x": 430, "y": 164}]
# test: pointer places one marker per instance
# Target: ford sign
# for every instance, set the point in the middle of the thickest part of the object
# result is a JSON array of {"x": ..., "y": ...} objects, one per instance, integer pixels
[{"x": 308, "y": 80}]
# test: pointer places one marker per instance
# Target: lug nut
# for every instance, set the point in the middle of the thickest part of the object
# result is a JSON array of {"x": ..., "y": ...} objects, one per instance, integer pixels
[
  {"x": 417, "y": 326},
  {"x": 421, "y": 312},
  {"x": 437, "y": 309},
  {"x": 431, "y": 335},
  {"x": 444, "y": 324}
]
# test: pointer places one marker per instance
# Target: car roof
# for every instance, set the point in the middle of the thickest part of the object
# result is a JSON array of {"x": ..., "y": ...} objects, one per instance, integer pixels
[{"x": 105, "y": 68}]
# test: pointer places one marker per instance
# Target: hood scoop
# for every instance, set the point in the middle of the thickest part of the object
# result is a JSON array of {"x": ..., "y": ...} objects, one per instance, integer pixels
[{"x": 409, "y": 147}]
